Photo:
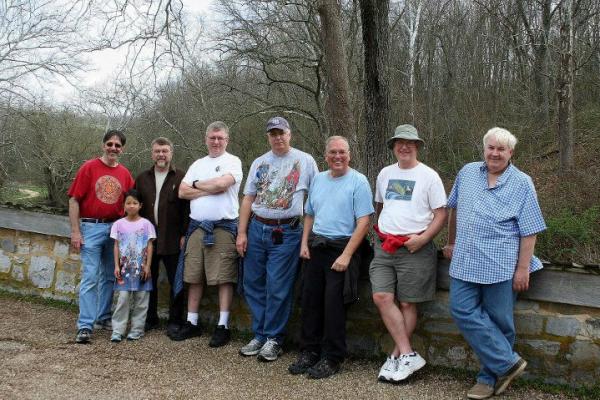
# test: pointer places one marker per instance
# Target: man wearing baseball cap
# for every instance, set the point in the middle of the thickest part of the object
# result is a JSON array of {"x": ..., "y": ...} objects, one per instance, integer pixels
[
  {"x": 410, "y": 211},
  {"x": 269, "y": 234}
]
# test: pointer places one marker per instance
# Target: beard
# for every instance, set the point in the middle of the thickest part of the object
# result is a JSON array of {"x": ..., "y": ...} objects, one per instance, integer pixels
[{"x": 161, "y": 163}]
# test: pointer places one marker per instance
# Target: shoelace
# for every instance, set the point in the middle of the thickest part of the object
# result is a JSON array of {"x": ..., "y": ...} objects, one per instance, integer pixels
[
  {"x": 270, "y": 344},
  {"x": 392, "y": 364}
]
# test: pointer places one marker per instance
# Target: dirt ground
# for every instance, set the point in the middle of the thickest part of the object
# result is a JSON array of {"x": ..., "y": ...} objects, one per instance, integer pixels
[{"x": 40, "y": 360}]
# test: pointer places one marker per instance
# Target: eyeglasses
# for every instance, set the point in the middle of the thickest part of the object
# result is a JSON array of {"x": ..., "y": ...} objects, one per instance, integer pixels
[
  {"x": 217, "y": 138},
  {"x": 276, "y": 133},
  {"x": 113, "y": 144},
  {"x": 407, "y": 143}
]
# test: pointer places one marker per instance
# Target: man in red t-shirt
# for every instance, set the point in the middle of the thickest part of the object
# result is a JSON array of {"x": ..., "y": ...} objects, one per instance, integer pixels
[{"x": 96, "y": 201}]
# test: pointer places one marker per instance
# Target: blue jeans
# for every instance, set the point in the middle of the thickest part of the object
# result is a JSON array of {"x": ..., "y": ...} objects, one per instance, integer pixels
[
  {"x": 97, "y": 277},
  {"x": 484, "y": 314},
  {"x": 269, "y": 275}
]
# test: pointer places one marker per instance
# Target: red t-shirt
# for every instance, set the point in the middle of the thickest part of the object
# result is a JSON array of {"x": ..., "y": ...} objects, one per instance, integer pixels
[{"x": 100, "y": 189}]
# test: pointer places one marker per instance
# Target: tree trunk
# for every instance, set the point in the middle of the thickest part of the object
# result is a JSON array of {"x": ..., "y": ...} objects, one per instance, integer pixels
[
  {"x": 375, "y": 32},
  {"x": 565, "y": 88},
  {"x": 338, "y": 109},
  {"x": 540, "y": 67},
  {"x": 412, "y": 27}
]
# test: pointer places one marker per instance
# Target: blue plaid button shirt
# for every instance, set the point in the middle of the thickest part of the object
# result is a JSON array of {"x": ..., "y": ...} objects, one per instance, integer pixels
[{"x": 490, "y": 223}]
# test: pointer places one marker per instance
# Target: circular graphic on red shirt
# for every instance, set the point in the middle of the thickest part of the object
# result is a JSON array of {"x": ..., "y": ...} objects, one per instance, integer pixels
[{"x": 108, "y": 189}]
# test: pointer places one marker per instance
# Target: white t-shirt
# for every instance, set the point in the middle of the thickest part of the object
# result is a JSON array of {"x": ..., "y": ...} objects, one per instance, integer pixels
[
  {"x": 279, "y": 183},
  {"x": 409, "y": 197},
  {"x": 216, "y": 206},
  {"x": 160, "y": 179}
]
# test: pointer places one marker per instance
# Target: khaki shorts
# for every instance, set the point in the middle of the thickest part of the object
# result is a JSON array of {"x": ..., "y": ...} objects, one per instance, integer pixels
[
  {"x": 214, "y": 264},
  {"x": 412, "y": 277}
]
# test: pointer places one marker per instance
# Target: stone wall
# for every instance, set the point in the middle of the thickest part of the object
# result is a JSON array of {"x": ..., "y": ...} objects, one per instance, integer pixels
[{"x": 558, "y": 319}]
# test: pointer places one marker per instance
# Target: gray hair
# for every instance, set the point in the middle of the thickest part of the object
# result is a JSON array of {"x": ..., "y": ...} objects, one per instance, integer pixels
[
  {"x": 332, "y": 138},
  {"x": 502, "y": 136},
  {"x": 217, "y": 126},
  {"x": 162, "y": 141}
]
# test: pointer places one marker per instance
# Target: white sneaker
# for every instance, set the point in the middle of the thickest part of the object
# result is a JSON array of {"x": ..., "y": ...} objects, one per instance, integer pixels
[
  {"x": 414, "y": 361},
  {"x": 387, "y": 370},
  {"x": 270, "y": 351},
  {"x": 407, "y": 365},
  {"x": 252, "y": 348}
]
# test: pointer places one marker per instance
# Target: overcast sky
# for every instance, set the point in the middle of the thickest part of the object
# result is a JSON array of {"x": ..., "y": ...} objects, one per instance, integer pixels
[{"x": 105, "y": 64}]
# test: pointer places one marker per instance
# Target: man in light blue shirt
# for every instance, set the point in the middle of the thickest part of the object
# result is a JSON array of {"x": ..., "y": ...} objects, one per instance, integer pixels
[
  {"x": 491, "y": 238},
  {"x": 337, "y": 217}
]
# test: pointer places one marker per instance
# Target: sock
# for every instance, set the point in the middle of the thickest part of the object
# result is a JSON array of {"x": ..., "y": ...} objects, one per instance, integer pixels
[
  {"x": 224, "y": 319},
  {"x": 193, "y": 318}
]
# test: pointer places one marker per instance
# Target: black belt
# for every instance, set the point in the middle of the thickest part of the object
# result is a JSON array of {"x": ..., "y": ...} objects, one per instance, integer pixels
[
  {"x": 269, "y": 221},
  {"x": 98, "y": 220}
]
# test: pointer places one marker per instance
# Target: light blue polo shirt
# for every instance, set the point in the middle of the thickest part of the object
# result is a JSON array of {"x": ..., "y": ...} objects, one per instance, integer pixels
[{"x": 336, "y": 203}]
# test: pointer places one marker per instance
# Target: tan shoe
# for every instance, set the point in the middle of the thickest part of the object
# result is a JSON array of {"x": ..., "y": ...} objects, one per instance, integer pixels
[
  {"x": 480, "y": 391},
  {"x": 505, "y": 380}
]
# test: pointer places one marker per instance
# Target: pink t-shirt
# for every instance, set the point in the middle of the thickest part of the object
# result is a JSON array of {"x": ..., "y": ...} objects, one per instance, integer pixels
[{"x": 133, "y": 238}]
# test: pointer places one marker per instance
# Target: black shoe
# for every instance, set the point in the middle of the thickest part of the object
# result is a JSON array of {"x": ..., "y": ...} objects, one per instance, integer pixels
[
  {"x": 83, "y": 336},
  {"x": 220, "y": 337},
  {"x": 173, "y": 328},
  {"x": 151, "y": 324},
  {"x": 187, "y": 331},
  {"x": 306, "y": 360},
  {"x": 323, "y": 369}
]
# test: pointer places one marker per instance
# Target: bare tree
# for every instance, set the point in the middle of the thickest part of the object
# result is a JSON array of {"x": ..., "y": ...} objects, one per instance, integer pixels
[
  {"x": 339, "y": 113},
  {"x": 413, "y": 11},
  {"x": 375, "y": 31},
  {"x": 565, "y": 87},
  {"x": 39, "y": 40},
  {"x": 280, "y": 42}
]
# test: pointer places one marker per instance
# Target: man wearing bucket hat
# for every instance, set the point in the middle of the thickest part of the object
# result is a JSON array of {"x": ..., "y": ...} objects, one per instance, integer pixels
[
  {"x": 410, "y": 211},
  {"x": 269, "y": 235}
]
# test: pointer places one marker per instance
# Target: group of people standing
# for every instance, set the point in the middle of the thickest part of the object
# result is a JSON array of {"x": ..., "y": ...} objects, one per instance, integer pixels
[{"x": 194, "y": 223}]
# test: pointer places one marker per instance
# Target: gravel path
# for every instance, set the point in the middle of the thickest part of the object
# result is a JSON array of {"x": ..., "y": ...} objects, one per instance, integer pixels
[{"x": 39, "y": 360}]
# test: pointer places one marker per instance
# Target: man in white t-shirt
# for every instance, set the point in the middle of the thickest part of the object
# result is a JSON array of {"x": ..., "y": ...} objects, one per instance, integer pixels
[
  {"x": 410, "y": 211},
  {"x": 211, "y": 184}
]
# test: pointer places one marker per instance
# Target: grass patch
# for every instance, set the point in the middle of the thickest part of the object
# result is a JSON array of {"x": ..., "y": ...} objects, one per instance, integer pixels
[
  {"x": 30, "y": 298},
  {"x": 584, "y": 393},
  {"x": 568, "y": 231},
  {"x": 16, "y": 193}
]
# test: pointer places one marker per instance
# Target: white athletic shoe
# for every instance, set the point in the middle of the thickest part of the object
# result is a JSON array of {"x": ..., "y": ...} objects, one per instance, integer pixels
[
  {"x": 407, "y": 365},
  {"x": 387, "y": 370}
]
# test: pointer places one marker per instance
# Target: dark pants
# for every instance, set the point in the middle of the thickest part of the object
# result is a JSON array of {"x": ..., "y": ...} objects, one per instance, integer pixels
[
  {"x": 323, "y": 310},
  {"x": 176, "y": 305}
]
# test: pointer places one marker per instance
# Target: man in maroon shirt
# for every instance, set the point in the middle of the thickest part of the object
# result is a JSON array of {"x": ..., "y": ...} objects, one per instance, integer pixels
[{"x": 96, "y": 201}]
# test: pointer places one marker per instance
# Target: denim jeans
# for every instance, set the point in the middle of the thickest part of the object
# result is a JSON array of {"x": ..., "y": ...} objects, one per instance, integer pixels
[
  {"x": 97, "y": 276},
  {"x": 269, "y": 274},
  {"x": 484, "y": 314}
]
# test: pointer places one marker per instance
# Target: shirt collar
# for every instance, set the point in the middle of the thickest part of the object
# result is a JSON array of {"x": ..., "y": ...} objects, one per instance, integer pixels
[
  {"x": 171, "y": 169},
  {"x": 503, "y": 177}
]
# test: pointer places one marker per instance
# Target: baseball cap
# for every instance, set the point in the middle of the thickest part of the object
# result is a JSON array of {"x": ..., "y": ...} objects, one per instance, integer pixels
[{"x": 278, "y": 123}]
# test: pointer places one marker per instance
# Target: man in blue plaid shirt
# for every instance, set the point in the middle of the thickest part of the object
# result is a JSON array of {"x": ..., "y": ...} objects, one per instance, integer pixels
[{"x": 494, "y": 220}]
